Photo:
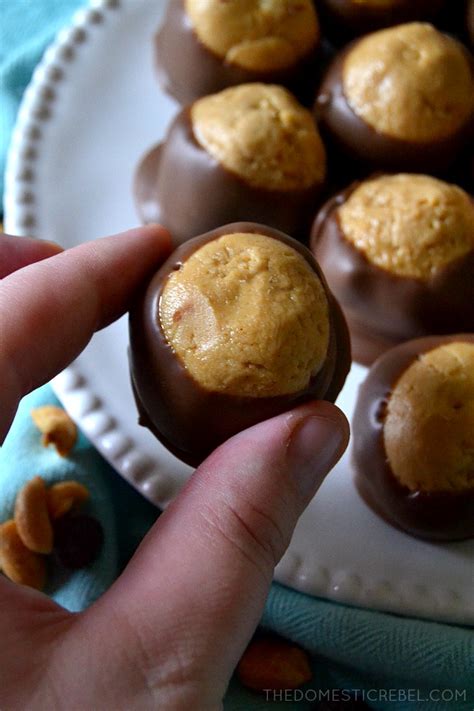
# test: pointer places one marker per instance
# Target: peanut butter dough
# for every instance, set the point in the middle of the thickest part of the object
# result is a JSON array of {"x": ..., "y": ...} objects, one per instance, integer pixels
[
  {"x": 258, "y": 35},
  {"x": 410, "y": 82},
  {"x": 410, "y": 225},
  {"x": 247, "y": 316},
  {"x": 429, "y": 426},
  {"x": 261, "y": 133}
]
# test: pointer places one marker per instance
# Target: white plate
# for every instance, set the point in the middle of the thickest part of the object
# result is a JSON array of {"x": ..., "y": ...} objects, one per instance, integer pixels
[{"x": 92, "y": 109}]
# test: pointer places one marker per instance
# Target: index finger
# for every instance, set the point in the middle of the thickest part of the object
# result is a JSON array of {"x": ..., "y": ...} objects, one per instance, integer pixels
[
  {"x": 18, "y": 252},
  {"x": 49, "y": 310}
]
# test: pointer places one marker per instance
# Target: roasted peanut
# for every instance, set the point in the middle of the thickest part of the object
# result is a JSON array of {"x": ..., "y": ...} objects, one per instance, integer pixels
[
  {"x": 17, "y": 562},
  {"x": 64, "y": 496},
  {"x": 273, "y": 663},
  {"x": 32, "y": 516},
  {"x": 57, "y": 428}
]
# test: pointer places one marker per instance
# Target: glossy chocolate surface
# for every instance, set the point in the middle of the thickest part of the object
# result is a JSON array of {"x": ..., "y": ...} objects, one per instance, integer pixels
[
  {"x": 436, "y": 516},
  {"x": 361, "y": 143},
  {"x": 382, "y": 308},
  {"x": 344, "y": 19},
  {"x": 189, "y": 420},
  {"x": 188, "y": 70},
  {"x": 179, "y": 185}
]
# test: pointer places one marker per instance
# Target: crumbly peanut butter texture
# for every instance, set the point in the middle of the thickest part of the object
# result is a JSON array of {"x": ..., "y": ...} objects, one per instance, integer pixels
[
  {"x": 429, "y": 427},
  {"x": 410, "y": 225},
  {"x": 247, "y": 316},
  {"x": 410, "y": 82},
  {"x": 258, "y": 35},
  {"x": 262, "y": 134}
]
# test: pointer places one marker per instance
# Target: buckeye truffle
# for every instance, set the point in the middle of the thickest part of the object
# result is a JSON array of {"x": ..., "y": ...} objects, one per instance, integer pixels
[
  {"x": 413, "y": 437},
  {"x": 343, "y": 19},
  {"x": 249, "y": 152},
  {"x": 398, "y": 253},
  {"x": 236, "y": 327},
  {"x": 204, "y": 47},
  {"x": 400, "y": 99}
]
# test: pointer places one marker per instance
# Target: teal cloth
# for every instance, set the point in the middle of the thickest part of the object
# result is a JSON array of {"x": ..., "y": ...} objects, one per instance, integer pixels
[
  {"x": 23, "y": 456},
  {"x": 352, "y": 648}
]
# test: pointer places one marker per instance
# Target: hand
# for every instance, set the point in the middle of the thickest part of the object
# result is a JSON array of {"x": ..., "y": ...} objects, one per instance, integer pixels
[{"x": 170, "y": 631}]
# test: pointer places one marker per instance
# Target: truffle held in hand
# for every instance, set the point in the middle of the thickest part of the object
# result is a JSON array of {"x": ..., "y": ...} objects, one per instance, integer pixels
[
  {"x": 413, "y": 437},
  {"x": 236, "y": 327},
  {"x": 401, "y": 98},
  {"x": 250, "y": 152},
  {"x": 398, "y": 253},
  {"x": 204, "y": 47}
]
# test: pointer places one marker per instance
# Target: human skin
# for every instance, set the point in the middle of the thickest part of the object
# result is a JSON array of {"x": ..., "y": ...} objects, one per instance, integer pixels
[{"x": 164, "y": 635}]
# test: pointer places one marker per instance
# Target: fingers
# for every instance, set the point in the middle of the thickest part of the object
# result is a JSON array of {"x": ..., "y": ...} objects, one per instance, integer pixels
[
  {"x": 49, "y": 310},
  {"x": 18, "y": 252},
  {"x": 195, "y": 590}
]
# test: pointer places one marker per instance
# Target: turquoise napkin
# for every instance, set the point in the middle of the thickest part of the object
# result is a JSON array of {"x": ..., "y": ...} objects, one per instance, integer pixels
[
  {"x": 124, "y": 515},
  {"x": 367, "y": 652},
  {"x": 398, "y": 663}
]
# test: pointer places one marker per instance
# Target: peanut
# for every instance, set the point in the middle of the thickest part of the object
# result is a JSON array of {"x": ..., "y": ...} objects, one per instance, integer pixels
[
  {"x": 64, "y": 496},
  {"x": 273, "y": 663},
  {"x": 32, "y": 517},
  {"x": 17, "y": 562},
  {"x": 57, "y": 428}
]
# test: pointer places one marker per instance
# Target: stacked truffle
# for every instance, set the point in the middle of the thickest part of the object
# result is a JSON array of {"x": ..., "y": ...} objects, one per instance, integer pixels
[
  {"x": 249, "y": 152},
  {"x": 387, "y": 146}
]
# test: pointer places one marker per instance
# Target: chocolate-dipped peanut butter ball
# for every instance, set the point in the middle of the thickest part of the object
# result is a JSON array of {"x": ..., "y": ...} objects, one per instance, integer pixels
[
  {"x": 343, "y": 19},
  {"x": 413, "y": 437},
  {"x": 400, "y": 99},
  {"x": 398, "y": 253},
  {"x": 249, "y": 152},
  {"x": 204, "y": 47},
  {"x": 236, "y": 327}
]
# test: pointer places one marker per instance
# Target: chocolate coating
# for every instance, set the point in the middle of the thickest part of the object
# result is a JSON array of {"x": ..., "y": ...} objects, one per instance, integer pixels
[
  {"x": 189, "y": 420},
  {"x": 186, "y": 69},
  {"x": 345, "y": 19},
  {"x": 383, "y": 308},
  {"x": 362, "y": 144},
  {"x": 179, "y": 185},
  {"x": 436, "y": 516},
  {"x": 470, "y": 21}
]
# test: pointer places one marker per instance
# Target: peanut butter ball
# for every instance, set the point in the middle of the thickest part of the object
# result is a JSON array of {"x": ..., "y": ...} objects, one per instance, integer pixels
[
  {"x": 247, "y": 315},
  {"x": 207, "y": 45},
  {"x": 256, "y": 35},
  {"x": 410, "y": 82},
  {"x": 429, "y": 424},
  {"x": 398, "y": 252},
  {"x": 237, "y": 326},
  {"x": 414, "y": 437},
  {"x": 262, "y": 134},
  {"x": 250, "y": 151},
  {"x": 401, "y": 98},
  {"x": 410, "y": 225}
]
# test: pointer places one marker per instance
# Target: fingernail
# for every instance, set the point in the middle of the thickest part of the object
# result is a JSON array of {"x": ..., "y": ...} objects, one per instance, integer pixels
[{"x": 314, "y": 448}]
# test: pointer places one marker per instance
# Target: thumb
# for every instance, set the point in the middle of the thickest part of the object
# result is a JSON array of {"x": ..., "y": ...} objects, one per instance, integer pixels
[{"x": 195, "y": 590}]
